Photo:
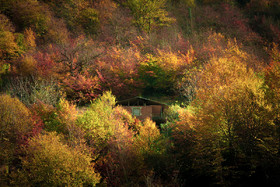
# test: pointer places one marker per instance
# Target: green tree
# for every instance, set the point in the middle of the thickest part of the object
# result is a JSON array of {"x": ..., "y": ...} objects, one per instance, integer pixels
[
  {"x": 98, "y": 121},
  {"x": 79, "y": 16},
  {"x": 89, "y": 20},
  {"x": 154, "y": 77},
  {"x": 149, "y": 13}
]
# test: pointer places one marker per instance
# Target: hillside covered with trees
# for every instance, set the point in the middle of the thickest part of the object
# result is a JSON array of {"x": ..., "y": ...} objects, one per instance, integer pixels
[{"x": 65, "y": 63}]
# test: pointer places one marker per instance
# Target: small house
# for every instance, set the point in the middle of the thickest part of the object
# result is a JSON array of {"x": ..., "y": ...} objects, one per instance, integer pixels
[{"x": 143, "y": 108}]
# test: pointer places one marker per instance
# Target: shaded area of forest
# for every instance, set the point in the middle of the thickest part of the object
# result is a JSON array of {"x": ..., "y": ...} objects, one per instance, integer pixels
[{"x": 65, "y": 63}]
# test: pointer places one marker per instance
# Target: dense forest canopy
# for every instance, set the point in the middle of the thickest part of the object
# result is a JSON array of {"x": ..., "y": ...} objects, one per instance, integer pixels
[{"x": 64, "y": 64}]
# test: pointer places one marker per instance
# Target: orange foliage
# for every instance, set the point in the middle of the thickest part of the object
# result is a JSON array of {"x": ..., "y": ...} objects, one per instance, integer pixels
[
  {"x": 30, "y": 38},
  {"x": 27, "y": 66},
  {"x": 81, "y": 89}
]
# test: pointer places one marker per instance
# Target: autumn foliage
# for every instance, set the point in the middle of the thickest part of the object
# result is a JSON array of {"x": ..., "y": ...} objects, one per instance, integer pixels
[
  {"x": 65, "y": 64},
  {"x": 48, "y": 161}
]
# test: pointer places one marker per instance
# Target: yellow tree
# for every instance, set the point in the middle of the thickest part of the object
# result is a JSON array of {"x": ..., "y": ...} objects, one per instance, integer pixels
[
  {"x": 15, "y": 121},
  {"x": 50, "y": 162},
  {"x": 272, "y": 80},
  {"x": 98, "y": 121},
  {"x": 232, "y": 117}
]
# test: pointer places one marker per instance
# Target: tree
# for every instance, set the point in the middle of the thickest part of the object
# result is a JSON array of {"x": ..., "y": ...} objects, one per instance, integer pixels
[
  {"x": 77, "y": 55},
  {"x": 31, "y": 13},
  {"x": 8, "y": 46},
  {"x": 118, "y": 71},
  {"x": 154, "y": 77},
  {"x": 89, "y": 20},
  {"x": 272, "y": 80},
  {"x": 232, "y": 122},
  {"x": 76, "y": 69},
  {"x": 81, "y": 89},
  {"x": 98, "y": 121},
  {"x": 49, "y": 162},
  {"x": 15, "y": 122},
  {"x": 149, "y": 13},
  {"x": 9, "y": 50},
  {"x": 162, "y": 72},
  {"x": 79, "y": 16}
]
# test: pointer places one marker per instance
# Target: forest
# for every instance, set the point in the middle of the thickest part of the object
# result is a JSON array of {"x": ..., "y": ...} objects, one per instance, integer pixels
[{"x": 64, "y": 64}]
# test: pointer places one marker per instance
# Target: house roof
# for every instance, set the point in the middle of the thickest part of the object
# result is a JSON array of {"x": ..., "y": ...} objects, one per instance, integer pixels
[{"x": 139, "y": 101}]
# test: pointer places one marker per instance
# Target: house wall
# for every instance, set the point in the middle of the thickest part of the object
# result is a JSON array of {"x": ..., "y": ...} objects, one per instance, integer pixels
[
  {"x": 156, "y": 110},
  {"x": 146, "y": 111}
]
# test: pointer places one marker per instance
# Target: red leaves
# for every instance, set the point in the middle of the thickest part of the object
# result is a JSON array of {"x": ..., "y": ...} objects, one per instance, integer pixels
[
  {"x": 82, "y": 89},
  {"x": 37, "y": 127},
  {"x": 118, "y": 71},
  {"x": 45, "y": 64}
]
